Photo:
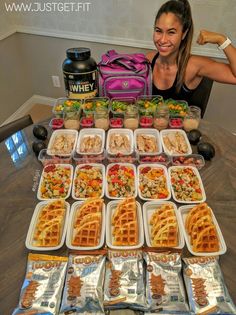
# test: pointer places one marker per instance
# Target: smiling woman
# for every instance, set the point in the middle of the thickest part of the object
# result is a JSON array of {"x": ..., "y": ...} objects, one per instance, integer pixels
[{"x": 177, "y": 73}]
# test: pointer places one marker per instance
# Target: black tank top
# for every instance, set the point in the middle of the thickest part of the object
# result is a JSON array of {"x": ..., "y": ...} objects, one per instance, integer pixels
[{"x": 184, "y": 93}]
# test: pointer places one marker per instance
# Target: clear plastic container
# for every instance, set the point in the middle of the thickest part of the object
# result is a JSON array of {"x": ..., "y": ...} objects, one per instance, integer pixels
[
  {"x": 161, "y": 158},
  {"x": 149, "y": 104},
  {"x": 72, "y": 118},
  {"x": 192, "y": 118},
  {"x": 47, "y": 159},
  {"x": 116, "y": 122},
  {"x": 91, "y": 104},
  {"x": 101, "y": 118},
  {"x": 196, "y": 160},
  {"x": 161, "y": 117},
  {"x": 89, "y": 158},
  {"x": 56, "y": 123},
  {"x": 122, "y": 158},
  {"x": 65, "y": 103},
  {"x": 87, "y": 121},
  {"x": 119, "y": 105},
  {"x": 146, "y": 121},
  {"x": 131, "y": 117}
]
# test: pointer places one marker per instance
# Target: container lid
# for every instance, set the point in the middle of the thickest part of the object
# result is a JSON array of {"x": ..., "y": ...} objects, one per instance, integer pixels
[{"x": 80, "y": 53}]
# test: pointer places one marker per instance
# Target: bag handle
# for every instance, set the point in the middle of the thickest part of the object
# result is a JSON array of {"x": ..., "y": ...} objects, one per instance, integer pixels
[{"x": 125, "y": 60}]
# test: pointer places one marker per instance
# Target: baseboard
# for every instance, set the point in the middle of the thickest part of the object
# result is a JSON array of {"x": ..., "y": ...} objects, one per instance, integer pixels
[{"x": 24, "y": 108}]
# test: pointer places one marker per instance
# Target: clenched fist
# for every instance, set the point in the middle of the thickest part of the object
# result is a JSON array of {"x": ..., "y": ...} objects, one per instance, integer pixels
[{"x": 206, "y": 37}]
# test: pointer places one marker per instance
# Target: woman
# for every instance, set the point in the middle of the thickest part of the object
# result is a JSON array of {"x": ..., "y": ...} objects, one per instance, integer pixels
[{"x": 177, "y": 73}]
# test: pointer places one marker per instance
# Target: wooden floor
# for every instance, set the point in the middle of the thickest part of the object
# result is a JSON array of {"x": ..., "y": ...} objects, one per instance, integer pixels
[{"x": 40, "y": 112}]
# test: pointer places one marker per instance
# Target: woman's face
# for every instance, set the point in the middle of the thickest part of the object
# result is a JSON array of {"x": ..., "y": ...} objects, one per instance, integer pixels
[{"x": 168, "y": 34}]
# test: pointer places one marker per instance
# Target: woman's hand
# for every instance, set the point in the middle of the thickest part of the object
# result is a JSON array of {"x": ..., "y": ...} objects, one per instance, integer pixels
[{"x": 206, "y": 37}]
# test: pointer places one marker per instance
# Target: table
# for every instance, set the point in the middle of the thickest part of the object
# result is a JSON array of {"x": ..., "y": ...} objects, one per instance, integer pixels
[{"x": 18, "y": 199}]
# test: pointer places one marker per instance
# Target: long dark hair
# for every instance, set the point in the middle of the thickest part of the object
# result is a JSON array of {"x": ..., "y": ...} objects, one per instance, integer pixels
[{"x": 182, "y": 9}]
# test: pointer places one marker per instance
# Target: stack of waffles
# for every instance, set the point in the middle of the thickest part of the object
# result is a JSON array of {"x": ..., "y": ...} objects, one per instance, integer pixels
[
  {"x": 164, "y": 227},
  {"x": 49, "y": 226},
  {"x": 87, "y": 223},
  {"x": 125, "y": 223},
  {"x": 201, "y": 229}
]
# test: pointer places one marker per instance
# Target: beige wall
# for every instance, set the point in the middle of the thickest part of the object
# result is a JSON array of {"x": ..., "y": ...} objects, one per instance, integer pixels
[
  {"x": 15, "y": 80},
  {"x": 28, "y": 61}
]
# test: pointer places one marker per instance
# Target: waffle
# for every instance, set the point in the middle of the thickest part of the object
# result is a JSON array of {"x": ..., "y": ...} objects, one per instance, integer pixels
[
  {"x": 87, "y": 223},
  {"x": 125, "y": 223},
  {"x": 201, "y": 229},
  {"x": 127, "y": 235},
  {"x": 126, "y": 217},
  {"x": 207, "y": 240},
  {"x": 87, "y": 235},
  {"x": 199, "y": 226},
  {"x": 127, "y": 204},
  {"x": 49, "y": 225},
  {"x": 163, "y": 212},
  {"x": 167, "y": 236},
  {"x": 92, "y": 205},
  {"x": 194, "y": 211},
  {"x": 164, "y": 227}
]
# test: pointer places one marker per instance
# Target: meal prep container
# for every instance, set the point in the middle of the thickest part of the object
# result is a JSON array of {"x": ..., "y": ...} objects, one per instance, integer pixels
[
  {"x": 123, "y": 132},
  {"x": 167, "y": 132},
  {"x": 152, "y": 166},
  {"x": 183, "y": 211},
  {"x": 148, "y": 209},
  {"x": 194, "y": 169},
  {"x": 65, "y": 166},
  {"x": 33, "y": 223},
  {"x": 62, "y": 132},
  {"x": 131, "y": 166},
  {"x": 101, "y": 168},
  {"x": 111, "y": 206},
  {"x": 71, "y": 230},
  {"x": 148, "y": 132},
  {"x": 90, "y": 132}
]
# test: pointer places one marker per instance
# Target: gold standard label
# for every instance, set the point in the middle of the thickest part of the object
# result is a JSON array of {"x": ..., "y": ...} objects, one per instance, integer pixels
[{"x": 81, "y": 85}]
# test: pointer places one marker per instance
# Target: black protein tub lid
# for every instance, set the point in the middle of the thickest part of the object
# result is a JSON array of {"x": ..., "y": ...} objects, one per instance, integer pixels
[{"x": 80, "y": 53}]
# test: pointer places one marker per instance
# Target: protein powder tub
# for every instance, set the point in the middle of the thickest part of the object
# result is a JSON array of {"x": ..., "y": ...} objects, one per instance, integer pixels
[{"x": 80, "y": 73}]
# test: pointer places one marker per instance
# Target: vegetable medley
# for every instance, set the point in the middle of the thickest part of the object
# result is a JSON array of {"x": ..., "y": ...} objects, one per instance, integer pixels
[
  {"x": 177, "y": 108},
  {"x": 56, "y": 181},
  {"x": 121, "y": 181},
  {"x": 68, "y": 104},
  {"x": 186, "y": 184},
  {"x": 92, "y": 104},
  {"x": 88, "y": 182},
  {"x": 153, "y": 183}
]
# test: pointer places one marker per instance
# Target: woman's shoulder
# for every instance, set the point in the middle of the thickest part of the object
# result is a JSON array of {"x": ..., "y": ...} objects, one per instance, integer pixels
[{"x": 150, "y": 55}]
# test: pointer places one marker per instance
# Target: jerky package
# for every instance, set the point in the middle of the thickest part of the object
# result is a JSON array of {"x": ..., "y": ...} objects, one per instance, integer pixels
[
  {"x": 164, "y": 285},
  {"x": 42, "y": 287},
  {"x": 205, "y": 286},
  {"x": 124, "y": 280},
  {"x": 83, "y": 291}
]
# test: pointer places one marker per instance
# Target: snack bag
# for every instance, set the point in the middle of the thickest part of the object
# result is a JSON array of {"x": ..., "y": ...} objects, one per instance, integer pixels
[
  {"x": 42, "y": 287},
  {"x": 164, "y": 284},
  {"x": 205, "y": 286},
  {"x": 84, "y": 282},
  {"x": 124, "y": 280}
]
